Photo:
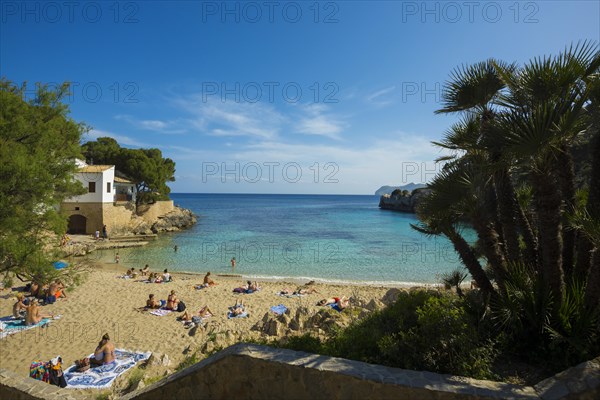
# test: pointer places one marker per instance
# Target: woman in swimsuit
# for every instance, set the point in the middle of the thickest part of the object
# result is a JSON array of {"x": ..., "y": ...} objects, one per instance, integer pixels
[
  {"x": 105, "y": 352},
  {"x": 172, "y": 301}
]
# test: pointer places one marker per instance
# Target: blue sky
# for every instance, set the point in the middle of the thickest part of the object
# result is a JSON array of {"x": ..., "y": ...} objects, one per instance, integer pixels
[{"x": 276, "y": 97}]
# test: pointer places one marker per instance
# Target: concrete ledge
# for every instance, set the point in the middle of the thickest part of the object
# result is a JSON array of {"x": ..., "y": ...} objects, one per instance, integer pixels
[
  {"x": 16, "y": 387},
  {"x": 247, "y": 371}
]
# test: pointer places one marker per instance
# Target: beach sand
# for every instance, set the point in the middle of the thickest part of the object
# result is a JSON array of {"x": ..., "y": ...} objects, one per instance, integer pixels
[{"x": 105, "y": 304}]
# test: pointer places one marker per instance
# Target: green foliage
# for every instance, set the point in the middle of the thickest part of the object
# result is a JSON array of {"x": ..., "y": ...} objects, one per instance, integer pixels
[
  {"x": 146, "y": 167},
  {"x": 396, "y": 192},
  {"x": 454, "y": 279},
  {"x": 135, "y": 376},
  {"x": 39, "y": 144},
  {"x": 188, "y": 361},
  {"x": 421, "y": 330}
]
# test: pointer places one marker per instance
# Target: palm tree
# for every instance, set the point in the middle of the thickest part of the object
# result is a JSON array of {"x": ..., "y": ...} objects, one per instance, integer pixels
[
  {"x": 544, "y": 112},
  {"x": 442, "y": 212}
]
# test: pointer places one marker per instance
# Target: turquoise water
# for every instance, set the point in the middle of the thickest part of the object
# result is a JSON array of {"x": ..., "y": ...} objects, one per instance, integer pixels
[{"x": 325, "y": 237}]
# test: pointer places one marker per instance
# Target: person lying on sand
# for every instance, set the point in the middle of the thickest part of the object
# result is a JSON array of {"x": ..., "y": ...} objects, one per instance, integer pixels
[
  {"x": 342, "y": 302},
  {"x": 152, "y": 302},
  {"x": 105, "y": 352},
  {"x": 131, "y": 273},
  {"x": 19, "y": 308},
  {"x": 238, "y": 308},
  {"x": 33, "y": 314},
  {"x": 300, "y": 291},
  {"x": 203, "y": 313},
  {"x": 172, "y": 301},
  {"x": 208, "y": 281}
]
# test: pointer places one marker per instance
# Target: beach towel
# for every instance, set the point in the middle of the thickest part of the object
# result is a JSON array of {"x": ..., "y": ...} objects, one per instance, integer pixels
[
  {"x": 242, "y": 315},
  {"x": 12, "y": 326},
  {"x": 279, "y": 309},
  {"x": 103, "y": 376},
  {"x": 335, "y": 307},
  {"x": 161, "y": 312}
]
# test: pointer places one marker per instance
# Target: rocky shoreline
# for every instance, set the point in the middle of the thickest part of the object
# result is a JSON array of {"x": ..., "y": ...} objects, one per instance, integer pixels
[{"x": 402, "y": 201}]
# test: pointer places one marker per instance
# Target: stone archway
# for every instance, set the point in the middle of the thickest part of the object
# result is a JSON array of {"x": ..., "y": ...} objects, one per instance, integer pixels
[{"x": 77, "y": 224}]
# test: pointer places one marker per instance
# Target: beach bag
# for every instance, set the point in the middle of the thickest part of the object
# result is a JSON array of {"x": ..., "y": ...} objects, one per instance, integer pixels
[
  {"x": 181, "y": 306},
  {"x": 82, "y": 365},
  {"x": 56, "y": 376},
  {"x": 38, "y": 371}
]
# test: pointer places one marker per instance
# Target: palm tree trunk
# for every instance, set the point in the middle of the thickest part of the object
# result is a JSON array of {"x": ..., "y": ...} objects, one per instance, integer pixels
[
  {"x": 531, "y": 243},
  {"x": 508, "y": 211},
  {"x": 592, "y": 291},
  {"x": 469, "y": 259},
  {"x": 548, "y": 208},
  {"x": 566, "y": 175},
  {"x": 593, "y": 207},
  {"x": 491, "y": 247}
]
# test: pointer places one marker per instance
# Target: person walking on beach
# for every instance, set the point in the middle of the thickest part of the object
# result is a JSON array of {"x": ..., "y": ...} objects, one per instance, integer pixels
[
  {"x": 104, "y": 232},
  {"x": 117, "y": 258},
  {"x": 233, "y": 263}
]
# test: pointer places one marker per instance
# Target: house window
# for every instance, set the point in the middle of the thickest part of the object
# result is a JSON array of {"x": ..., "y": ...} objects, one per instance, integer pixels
[
  {"x": 107, "y": 187},
  {"x": 92, "y": 187}
]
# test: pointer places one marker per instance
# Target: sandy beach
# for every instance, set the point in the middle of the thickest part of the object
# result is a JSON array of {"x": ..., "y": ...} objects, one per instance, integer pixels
[{"x": 105, "y": 303}]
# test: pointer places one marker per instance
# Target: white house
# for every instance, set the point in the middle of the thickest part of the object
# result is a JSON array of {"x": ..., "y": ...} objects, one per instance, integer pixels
[{"x": 102, "y": 204}]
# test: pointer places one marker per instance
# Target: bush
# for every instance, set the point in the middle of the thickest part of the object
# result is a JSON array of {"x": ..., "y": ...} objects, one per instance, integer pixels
[{"x": 423, "y": 330}]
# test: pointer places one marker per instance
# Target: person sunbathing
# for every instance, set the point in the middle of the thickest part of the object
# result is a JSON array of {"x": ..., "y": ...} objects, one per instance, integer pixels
[
  {"x": 238, "y": 308},
  {"x": 204, "y": 312},
  {"x": 342, "y": 302},
  {"x": 172, "y": 301},
  {"x": 166, "y": 276},
  {"x": 302, "y": 291},
  {"x": 33, "y": 314},
  {"x": 19, "y": 308},
  {"x": 34, "y": 289},
  {"x": 252, "y": 287},
  {"x": 152, "y": 302},
  {"x": 60, "y": 290},
  {"x": 145, "y": 270},
  {"x": 105, "y": 352},
  {"x": 208, "y": 281}
]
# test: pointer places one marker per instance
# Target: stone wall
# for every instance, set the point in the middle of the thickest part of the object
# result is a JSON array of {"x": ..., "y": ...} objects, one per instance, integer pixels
[
  {"x": 151, "y": 212},
  {"x": 16, "y": 387},
  {"x": 118, "y": 217},
  {"x": 92, "y": 211},
  {"x": 247, "y": 371}
]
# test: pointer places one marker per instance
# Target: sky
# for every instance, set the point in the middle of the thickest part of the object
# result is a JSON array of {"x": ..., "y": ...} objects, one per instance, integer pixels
[{"x": 331, "y": 97}]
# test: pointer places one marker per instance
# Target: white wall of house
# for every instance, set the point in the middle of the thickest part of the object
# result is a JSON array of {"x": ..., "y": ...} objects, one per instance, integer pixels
[{"x": 100, "y": 186}]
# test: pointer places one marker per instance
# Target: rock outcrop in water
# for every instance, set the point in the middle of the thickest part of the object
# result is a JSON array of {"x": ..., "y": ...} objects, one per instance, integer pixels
[
  {"x": 403, "y": 201},
  {"x": 175, "y": 220}
]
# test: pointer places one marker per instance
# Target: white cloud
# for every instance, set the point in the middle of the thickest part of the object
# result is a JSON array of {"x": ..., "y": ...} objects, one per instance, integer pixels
[
  {"x": 316, "y": 122},
  {"x": 376, "y": 99},
  {"x": 165, "y": 127}
]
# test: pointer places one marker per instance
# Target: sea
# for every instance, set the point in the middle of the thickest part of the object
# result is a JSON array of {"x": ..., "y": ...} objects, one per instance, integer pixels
[{"x": 328, "y": 238}]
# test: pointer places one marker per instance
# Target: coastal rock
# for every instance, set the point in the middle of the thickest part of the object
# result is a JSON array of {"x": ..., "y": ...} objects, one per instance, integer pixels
[
  {"x": 374, "y": 305},
  {"x": 179, "y": 218},
  {"x": 401, "y": 201},
  {"x": 391, "y": 296}
]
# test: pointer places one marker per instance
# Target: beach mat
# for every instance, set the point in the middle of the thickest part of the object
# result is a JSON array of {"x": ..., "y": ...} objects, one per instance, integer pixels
[
  {"x": 10, "y": 326},
  {"x": 161, "y": 312},
  {"x": 102, "y": 376},
  {"x": 242, "y": 315},
  {"x": 279, "y": 309}
]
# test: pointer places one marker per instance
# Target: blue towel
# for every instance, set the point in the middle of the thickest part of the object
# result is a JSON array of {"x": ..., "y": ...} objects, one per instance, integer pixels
[
  {"x": 242, "y": 315},
  {"x": 279, "y": 309},
  {"x": 335, "y": 307}
]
